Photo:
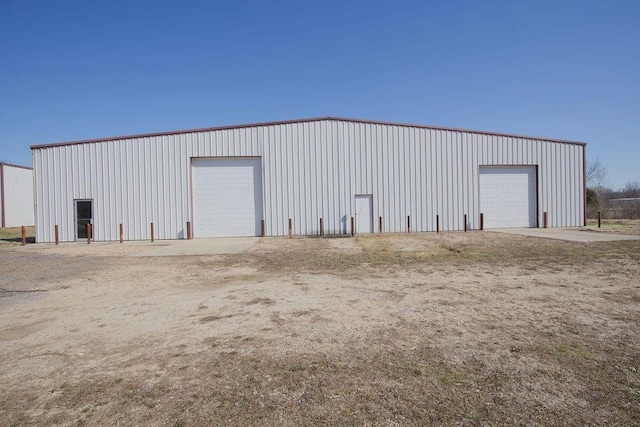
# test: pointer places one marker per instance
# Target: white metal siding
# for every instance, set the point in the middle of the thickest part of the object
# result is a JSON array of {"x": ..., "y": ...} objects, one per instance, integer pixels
[
  {"x": 17, "y": 194},
  {"x": 508, "y": 196},
  {"x": 310, "y": 170},
  {"x": 227, "y": 197}
]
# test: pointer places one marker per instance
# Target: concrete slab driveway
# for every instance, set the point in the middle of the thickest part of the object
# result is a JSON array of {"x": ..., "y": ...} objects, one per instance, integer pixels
[
  {"x": 568, "y": 234},
  {"x": 212, "y": 246}
]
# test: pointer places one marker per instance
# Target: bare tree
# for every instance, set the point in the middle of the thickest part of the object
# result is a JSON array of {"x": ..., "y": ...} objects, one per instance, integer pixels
[
  {"x": 631, "y": 190},
  {"x": 596, "y": 174}
]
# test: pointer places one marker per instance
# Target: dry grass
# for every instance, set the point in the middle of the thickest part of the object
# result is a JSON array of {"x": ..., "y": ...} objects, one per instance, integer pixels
[
  {"x": 624, "y": 226},
  {"x": 421, "y": 329},
  {"x": 428, "y": 250},
  {"x": 14, "y": 234}
]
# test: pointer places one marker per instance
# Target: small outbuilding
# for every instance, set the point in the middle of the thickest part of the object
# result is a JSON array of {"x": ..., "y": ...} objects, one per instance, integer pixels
[
  {"x": 16, "y": 195},
  {"x": 306, "y": 177}
]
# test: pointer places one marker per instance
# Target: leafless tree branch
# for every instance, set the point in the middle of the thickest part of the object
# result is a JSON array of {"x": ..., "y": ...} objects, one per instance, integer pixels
[{"x": 596, "y": 174}]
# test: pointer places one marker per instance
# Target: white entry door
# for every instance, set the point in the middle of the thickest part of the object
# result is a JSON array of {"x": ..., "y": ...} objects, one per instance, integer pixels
[
  {"x": 508, "y": 196},
  {"x": 227, "y": 197},
  {"x": 364, "y": 213}
]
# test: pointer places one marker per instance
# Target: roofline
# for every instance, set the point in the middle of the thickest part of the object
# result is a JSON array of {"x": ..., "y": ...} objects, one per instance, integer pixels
[
  {"x": 15, "y": 166},
  {"x": 313, "y": 119}
]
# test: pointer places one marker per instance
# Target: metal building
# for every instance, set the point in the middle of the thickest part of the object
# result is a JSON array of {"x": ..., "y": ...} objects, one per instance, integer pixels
[
  {"x": 239, "y": 180},
  {"x": 16, "y": 195}
]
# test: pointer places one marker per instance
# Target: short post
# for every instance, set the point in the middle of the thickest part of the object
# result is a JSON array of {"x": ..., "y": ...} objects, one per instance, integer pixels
[
  {"x": 437, "y": 223},
  {"x": 380, "y": 221},
  {"x": 598, "y": 219},
  {"x": 290, "y": 228},
  {"x": 188, "y": 230},
  {"x": 465, "y": 223},
  {"x": 353, "y": 226},
  {"x": 152, "y": 236},
  {"x": 121, "y": 233},
  {"x": 544, "y": 219},
  {"x": 408, "y": 224},
  {"x": 88, "y": 233},
  {"x": 24, "y": 235},
  {"x": 321, "y": 228},
  {"x": 57, "y": 234},
  {"x": 481, "y": 221},
  {"x": 262, "y": 227}
]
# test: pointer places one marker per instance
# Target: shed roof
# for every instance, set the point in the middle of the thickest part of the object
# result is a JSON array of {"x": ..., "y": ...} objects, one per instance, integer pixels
[{"x": 11, "y": 165}]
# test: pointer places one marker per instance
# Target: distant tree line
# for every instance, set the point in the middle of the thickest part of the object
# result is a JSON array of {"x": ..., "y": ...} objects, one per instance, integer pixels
[{"x": 623, "y": 203}]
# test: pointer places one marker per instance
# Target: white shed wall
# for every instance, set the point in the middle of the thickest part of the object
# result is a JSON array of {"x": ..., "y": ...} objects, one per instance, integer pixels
[
  {"x": 311, "y": 169},
  {"x": 17, "y": 196}
]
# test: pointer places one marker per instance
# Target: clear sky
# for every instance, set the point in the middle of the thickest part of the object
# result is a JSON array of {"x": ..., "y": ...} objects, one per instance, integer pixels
[{"x": 74, "y": 70}]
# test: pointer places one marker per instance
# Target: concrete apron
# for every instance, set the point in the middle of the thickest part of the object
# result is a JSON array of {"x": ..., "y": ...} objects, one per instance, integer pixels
[
  {"x": 568, "y": 234},
  {"x": 212, "y": 246}
]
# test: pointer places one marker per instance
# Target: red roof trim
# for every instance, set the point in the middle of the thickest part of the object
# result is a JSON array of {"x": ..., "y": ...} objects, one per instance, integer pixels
[
  {"x": 283, "y": 122},
  {"x": 15, "y": 166}
]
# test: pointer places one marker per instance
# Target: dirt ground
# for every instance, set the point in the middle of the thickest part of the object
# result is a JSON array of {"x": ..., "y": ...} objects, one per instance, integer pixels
[{"x": 471, "y": 328}]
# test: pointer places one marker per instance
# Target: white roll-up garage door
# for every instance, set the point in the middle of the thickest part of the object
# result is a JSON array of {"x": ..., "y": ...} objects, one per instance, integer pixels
[
  {"x": 227, "y": 197},
  {"x": 508, "y": 196}
]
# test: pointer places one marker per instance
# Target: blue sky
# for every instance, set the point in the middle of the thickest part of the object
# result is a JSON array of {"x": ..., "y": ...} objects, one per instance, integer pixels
[{"x": 73, "y": 70}]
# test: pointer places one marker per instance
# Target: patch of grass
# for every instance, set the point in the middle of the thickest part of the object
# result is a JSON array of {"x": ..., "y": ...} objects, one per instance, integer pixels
[
  {"x": 430, "y": 249},
  {"x": 622, "y": 225},
  {"x": 571, "y": 351},
  {"x": 214, "y": 317},
  {"x": 261, "y": 301},
  {"x": 440, "y": 372},
  {"x": 14, "y": 234}
]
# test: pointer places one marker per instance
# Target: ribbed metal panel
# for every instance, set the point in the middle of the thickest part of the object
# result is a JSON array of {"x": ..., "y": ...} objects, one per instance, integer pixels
[
  {"x": 311, "y": 170},
  {"x": 17, "y": 207}
]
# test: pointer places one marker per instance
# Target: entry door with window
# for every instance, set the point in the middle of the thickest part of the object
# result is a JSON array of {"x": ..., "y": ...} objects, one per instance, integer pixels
[
  {"x": 84, "y": 216},
  {"x": 364, "y": 213}
]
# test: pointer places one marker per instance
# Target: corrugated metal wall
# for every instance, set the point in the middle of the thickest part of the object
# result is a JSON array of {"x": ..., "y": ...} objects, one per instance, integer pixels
[
  {"x": 17, "y": 194},
  {"x": 311, "y": 170}
]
